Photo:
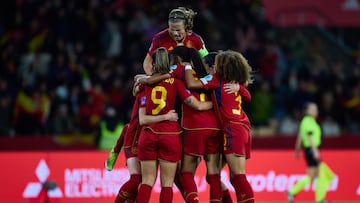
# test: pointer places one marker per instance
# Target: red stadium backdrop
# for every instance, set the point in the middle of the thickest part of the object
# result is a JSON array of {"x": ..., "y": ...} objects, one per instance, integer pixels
[
  {"x": 340, "y": 13},
  {"x": 81, "y": 177}
]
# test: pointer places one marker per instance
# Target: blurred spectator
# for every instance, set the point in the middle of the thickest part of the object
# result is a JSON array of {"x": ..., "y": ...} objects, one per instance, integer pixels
[
  {"x": 31, "y": 110},
  {"x": 329, "y": 127},
  {"x": 91, "y": 109},
  {"x": 85, "y": 54},
  {"x": 268, "y": 62},
  {"x": 139, "y": 23},
  {"x": 59, "y": 71},
  {"x": 302, "y": 94},
  {"x": 6, "y": 114},
  {"x": 297, "y": 46},
  {"x": 116, "y": 95},
  {"x": 62, "y": 122},
  {"x": 261, "y": 104},
  {"x": 109, "y": 129},
  {"x": 329, "y": 109},
  {"x": 5, "y": 109},
  {"x": 289, "y": 125},
  {"x": 352, "y": 104},
  {"x": 112, "y": 40}
]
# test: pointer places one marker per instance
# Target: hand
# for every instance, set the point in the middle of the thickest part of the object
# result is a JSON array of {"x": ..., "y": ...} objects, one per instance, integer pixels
[
  {"x": 138, "y": 76},
  {"x": 231, "y": 87},
  {"x": 141, "y": 79},
  {"x": 136, "y": 88},
  {"x": 172, "y": 115}
]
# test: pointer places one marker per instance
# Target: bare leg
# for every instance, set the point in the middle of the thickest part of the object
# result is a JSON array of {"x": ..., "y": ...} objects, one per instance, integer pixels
[{"x": 167, "y": 175}]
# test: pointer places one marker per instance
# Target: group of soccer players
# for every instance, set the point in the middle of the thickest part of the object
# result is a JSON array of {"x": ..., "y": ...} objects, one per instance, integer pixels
[{"x": 209, "y": 122}]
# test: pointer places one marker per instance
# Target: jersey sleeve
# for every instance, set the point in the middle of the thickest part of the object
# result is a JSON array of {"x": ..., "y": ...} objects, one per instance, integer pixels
[
  {"x": 210, "y": 82},
  {"x": 245, "y": 94},
  {"x": 200, "y": 45},
  {"x": 141, "y": 89},
  {"x": 151, "y": 48},
  {"x": 153, "y": 45},
  {"x": 142, "y": 99},
  {"x": 177, "y": 71},
  {"x": 182, "y": 91}
]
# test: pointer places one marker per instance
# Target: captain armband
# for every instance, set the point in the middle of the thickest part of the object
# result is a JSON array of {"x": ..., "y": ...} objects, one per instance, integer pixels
[{"x": 203, "y": 52}]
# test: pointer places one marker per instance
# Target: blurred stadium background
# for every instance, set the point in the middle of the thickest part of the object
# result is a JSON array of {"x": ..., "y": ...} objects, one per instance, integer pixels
[{"x": 64, "y": 63}]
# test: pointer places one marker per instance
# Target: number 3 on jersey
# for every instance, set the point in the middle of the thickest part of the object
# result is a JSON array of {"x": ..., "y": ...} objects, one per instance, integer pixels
[
  {"x": 238, "y": 99},
  {"x": 156, "y": 92}
]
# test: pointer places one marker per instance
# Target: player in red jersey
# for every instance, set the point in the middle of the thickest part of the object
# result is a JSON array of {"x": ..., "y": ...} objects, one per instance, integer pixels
[
  {"x": 209, "y": 62},
  {"x": 231, "y": 67},
  {"x": 129, "y": 139},
  {"x": 179, "y": 32},
  {"x": 202, "y": 133},
  {"x": 160, "y": 142},
  {"x": 200, "y": 128}
]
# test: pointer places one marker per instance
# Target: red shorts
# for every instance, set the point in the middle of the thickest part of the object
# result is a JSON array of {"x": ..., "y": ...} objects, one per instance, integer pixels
[
  {"x": 237, "y": 140},
  {"x": 201, "y": 142},
  {"x": 131, "y": 140},
  {"x": 153, "y": 146}
]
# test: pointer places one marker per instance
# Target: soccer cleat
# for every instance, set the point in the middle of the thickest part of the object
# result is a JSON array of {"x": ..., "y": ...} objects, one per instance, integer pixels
[
  {"x": 290, "y": 197},
  {"x": 111, "y": 160}
]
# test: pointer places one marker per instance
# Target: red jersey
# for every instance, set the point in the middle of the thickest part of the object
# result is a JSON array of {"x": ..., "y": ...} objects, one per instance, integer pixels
[
  {"x": 134, "y": 125},
  {"x": 177, "y": 71},
  {"x": 229, "y": 104},
  {"x": 193, "y": 119},
  {"x": 159, "y": 99},
  {"x": 163, "y": 39}
]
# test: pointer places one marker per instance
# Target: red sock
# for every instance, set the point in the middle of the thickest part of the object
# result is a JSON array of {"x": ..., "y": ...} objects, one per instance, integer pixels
[
  {"x": 215, "y": 187},
  {"x": 166, "y": 195},
  {"x": 190, "y": 189},
  {"x": 226, "y": 197},
  {"x": 144, "y": 193},
  {"x": 244, "y": 192},
  {"x": 129, "y": 189},
  {"x": 120, "y": 141},
  {"x": 178, "y": 182}
]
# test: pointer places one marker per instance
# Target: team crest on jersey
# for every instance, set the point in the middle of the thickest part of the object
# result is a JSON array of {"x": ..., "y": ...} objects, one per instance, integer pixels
[
  {"x": 143, "y": 100},
  {"x": 189, "y": 44},
  {"x": 207, "y": 78},
  {"x": 172, "y": 68}
]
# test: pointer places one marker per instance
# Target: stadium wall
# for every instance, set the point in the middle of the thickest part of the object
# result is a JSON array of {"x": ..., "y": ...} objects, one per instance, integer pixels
[
  {"x": 86, "y": 142},
  {"x": 80, "y": 176}
]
